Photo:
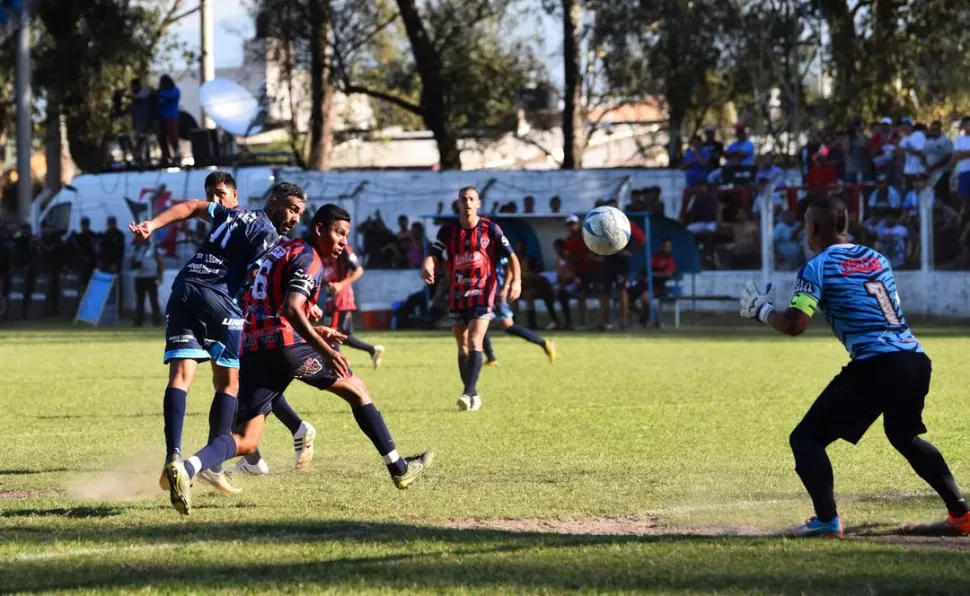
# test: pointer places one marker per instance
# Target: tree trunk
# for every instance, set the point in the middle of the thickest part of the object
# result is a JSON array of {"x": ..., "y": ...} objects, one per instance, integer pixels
[
  {"x": 572, "y": 115},
  {"x": 321, "y": 89},
  {"x": 434, "y": 87},
  {"x": 844, "y": 53},
  {"x": 885, "y": 96},
  {"x": 52, "y": 141}
]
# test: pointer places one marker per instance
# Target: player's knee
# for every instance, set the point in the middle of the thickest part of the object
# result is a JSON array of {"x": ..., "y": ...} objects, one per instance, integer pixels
[
  {"x": 900, "y": 440},
  {"x": 799, "y": 438}
]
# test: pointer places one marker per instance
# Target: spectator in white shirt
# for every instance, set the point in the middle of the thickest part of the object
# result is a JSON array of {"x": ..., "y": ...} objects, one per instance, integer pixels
[
  {"x": 911, "y": 149},
  {"x": 960, "y": 160},
  {"x": 936, "y": 157}
]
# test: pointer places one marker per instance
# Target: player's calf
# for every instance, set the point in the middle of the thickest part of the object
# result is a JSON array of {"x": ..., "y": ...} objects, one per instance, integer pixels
[{"x": 403, "y": 471}]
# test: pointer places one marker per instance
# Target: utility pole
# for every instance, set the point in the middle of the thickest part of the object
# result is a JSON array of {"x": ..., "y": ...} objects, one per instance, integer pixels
[
  {"x": 207, "y": 58},
  {"x": 24, "y": 129}
]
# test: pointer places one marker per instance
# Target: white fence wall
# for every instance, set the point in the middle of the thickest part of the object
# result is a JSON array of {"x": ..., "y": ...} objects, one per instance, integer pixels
[{"x": 941, "y": 293}]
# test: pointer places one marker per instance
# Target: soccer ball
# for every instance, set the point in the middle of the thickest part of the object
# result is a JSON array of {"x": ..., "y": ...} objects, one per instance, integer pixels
[{"x": 606, "y": 230}]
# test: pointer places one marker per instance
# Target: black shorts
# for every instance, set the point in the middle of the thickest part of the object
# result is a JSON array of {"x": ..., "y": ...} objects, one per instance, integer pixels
[
  {"x": 465, "y": 316},
  {"x": 342, "y": 321},
  {"x": 893, "y": 385},
  {"x": 265, "y": 374}
]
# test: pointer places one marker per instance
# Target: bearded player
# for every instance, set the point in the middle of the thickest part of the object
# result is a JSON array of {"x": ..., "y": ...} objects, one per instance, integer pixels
[
  {"x": 888, "y": 373},
  {"x": 282, "y": 345},
  {"x": 203, "y": 319},
  {"x": 472, "y": 247}
]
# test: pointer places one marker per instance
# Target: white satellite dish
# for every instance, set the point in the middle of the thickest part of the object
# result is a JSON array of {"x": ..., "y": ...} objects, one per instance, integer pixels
[{"x": 232, "y": 108}]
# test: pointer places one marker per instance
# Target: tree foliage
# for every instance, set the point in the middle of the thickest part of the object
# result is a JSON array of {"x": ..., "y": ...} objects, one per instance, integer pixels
[{"x": 85, "y": 50}]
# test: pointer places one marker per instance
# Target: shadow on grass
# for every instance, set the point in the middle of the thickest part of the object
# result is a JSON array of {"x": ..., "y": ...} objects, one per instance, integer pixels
[
  {"x": 389, "y": 556},
  {"x": 29, "y": 471},
  {"x": 72, "y": 512}
]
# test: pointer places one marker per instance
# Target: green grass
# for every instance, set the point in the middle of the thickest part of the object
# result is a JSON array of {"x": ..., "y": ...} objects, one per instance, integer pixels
[{"x": 654, "y": 462}]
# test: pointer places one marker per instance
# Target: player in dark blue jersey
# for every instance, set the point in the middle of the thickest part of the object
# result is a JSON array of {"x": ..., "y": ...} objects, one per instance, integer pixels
[
  {"x": 888, "y": 373},
  {"x": 203, "y": 320},
  {"x": 503, "y": 315}
]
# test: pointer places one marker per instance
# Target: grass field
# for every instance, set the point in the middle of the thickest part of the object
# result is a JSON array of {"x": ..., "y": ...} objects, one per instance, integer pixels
[{"x": 654, "y": 462}]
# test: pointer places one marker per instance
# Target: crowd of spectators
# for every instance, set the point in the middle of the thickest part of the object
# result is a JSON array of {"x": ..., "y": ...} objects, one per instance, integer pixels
[{"x": 880, "y": 171}]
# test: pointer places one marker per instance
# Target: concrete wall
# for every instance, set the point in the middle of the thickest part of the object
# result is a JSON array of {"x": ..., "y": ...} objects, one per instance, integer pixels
[{"x": 942, "y": 293}]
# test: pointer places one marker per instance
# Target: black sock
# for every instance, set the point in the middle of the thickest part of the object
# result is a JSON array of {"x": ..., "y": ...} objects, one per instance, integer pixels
[
  {"x": 173, "y": 409},
  {"x": 928, "y": 463},
  {"x": 286, "y": 414},
  {"x": 372, "y": 424},
  {"x": 463, "y": 368},
  {"x": 217, "y": 451},
  {"x": 473, "y": 370},
  {"x": 551, "y": 309},
  {"x": 487, "y": 346},
  {"x": 567, "y": 313},
  {"x": 526, "y": 334},
  {"x": 222, "y": 413},
  {"x": 359, "y": 344},
  {"x": 814, "y": 468},
  {"x": 530, "y": 319},
  {"x": 253, "y": 458}
]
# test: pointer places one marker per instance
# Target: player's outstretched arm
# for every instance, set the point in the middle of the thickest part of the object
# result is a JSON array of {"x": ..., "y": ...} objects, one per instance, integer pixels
[
  {"x": 174, "y": 214},
  {"x": 295, "y": 309}
]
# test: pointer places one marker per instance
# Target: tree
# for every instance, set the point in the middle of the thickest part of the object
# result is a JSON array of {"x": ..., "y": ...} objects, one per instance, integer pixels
[
  {"x": 84, "y": 52},
  {"x": 665, "y": 49},
  {"x": 573, "y": 120},
  {"x": 463, "y": 73},
  {"x": 303, "y": 29}
]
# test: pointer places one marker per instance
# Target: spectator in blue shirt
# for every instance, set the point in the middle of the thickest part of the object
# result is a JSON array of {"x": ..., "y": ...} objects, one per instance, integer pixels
[
  {"x": 168, "y": 118},
  {"x": 696, "y": 162},
  {"x": 741, "y": 151}
]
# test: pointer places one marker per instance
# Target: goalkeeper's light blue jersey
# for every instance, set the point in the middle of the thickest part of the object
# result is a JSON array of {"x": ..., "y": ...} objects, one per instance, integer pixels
[{"x": 854, "y": 288}]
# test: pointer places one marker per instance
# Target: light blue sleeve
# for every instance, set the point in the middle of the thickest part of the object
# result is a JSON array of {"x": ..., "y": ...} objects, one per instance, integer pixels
[{"x": 808, "y": 286}]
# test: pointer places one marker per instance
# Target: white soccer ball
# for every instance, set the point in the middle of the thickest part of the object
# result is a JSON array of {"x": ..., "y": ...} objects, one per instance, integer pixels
[{"x": 606, "y": 230}]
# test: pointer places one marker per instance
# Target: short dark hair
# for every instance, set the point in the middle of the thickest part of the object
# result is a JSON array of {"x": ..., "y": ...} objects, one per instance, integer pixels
[
  {"x": 217, "y": 178},
  {"x": 836, "y": 211},
  {"x": 666, "y": 239},
  {"x": 465, "y": 189},
  {"x": 287, "y": 189},
  {"x": 327, "y": 215},
  {"x": 559, "y": 242}
]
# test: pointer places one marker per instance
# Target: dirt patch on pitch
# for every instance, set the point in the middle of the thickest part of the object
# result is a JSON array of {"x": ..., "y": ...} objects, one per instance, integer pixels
[
  {"x": 607, "y": 526},
  {"x": 15, "y": 495}
]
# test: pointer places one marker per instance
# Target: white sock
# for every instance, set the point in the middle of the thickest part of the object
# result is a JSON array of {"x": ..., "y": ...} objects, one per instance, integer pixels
[
  {"x": 196, "y": 464},
  {"x": 391, "y": 457}
]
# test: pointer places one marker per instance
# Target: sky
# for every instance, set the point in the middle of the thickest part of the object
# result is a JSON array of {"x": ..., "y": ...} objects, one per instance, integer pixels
[{"x": 233, "y": 24}]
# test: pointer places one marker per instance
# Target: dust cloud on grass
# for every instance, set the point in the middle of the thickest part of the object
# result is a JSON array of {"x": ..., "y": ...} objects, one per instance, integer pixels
[{"x": 136, "y": 477}]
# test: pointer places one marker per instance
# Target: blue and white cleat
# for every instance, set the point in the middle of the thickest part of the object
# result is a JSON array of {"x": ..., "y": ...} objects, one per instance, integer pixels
[{"x": 813, "y": 527}]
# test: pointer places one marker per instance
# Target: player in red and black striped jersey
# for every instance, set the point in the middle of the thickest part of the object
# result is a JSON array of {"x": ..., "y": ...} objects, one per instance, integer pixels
[
  {"x": 472, "y": 247},
  {"x": 339, "y": 274},
  {"x": 280, "y": 344}
]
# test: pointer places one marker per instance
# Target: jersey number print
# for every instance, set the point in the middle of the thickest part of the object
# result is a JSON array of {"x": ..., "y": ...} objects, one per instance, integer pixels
[{"x": 878, "y": 290}]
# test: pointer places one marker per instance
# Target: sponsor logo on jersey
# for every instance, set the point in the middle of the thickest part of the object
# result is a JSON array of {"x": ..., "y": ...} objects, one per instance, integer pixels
[
  {"x": 233, "y": 323},
  {"x": 485, "y": 241},
  {"x": 868, "y": 264},
  {"x": 803, "y": 286},
  {"x": 468, "y": 259}
]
